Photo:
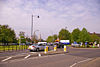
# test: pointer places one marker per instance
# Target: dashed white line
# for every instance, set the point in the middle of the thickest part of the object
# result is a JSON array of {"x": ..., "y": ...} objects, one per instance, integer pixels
[
  {"x": 73, "y": 65},
  {"x": 81, "y": 62},
  {"x": 6, "y": 59},
  {"x": 27, "y": 56}
]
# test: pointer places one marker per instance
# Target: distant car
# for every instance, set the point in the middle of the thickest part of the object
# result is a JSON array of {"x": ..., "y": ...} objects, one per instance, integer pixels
[
  {"x": 59, "y": 45},
  {"x": 75, "y": 45},
  {"x": 37, "y": 47}
]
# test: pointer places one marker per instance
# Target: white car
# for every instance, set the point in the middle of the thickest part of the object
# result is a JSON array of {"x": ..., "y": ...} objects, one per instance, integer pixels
[
  {"x": 75, "y": 45},
  {"x": 36, "y": 47}
]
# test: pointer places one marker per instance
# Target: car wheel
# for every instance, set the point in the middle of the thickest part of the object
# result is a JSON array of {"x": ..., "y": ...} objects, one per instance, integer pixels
[{"x": 37, "y": 49}]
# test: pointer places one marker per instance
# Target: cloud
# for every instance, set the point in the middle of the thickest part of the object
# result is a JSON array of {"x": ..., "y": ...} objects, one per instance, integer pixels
[{"x": 54, "y": 15}]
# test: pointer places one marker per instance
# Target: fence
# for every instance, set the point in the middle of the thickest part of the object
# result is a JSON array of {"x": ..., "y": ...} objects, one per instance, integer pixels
[{"x": 12, "y": 47}]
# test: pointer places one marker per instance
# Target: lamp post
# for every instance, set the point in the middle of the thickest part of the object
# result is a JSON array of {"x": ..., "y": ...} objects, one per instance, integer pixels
[{"x": 32, "y": 27}]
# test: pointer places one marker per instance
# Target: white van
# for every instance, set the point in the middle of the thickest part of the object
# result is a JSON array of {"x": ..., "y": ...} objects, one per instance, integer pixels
[{"x": 44, "y": 43}]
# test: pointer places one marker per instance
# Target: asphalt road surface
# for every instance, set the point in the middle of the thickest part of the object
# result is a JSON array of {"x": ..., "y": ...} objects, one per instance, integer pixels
[{"x": 75, "y": 58}]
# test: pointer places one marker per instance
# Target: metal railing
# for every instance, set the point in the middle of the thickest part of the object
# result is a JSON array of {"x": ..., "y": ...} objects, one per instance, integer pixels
[{"x": 12, "y": 47}]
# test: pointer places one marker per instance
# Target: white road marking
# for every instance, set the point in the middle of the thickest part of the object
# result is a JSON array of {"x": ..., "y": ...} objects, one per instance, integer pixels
[
  {"x": 17, "y": 60},
  {"x": 6, "y": 59},
  {"x": 73, "y": 65},
  {"x": 85, "y": 60},
  {"x": 27, "y": 56},
  {"x": 81, "y": 62}
]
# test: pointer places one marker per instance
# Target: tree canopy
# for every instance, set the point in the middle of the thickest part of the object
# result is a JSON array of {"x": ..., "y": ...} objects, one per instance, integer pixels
[
  {"x": 84, "y": 35},
  {"x": 94, "y": 38},
  {"x": 75, "y": 35},
  {"x": 7, "y": 34},
  {"x": 50, "y": 39},
  {"x": 64, "y": 34}
]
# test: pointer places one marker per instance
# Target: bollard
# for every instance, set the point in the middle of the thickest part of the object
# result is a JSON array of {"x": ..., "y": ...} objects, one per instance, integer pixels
[
  {"x": 98, "y": 45},
  {"x": 65, "y": 48},
  {"x": 55, "y": 48},
  {"x": 46, "y": 49}
]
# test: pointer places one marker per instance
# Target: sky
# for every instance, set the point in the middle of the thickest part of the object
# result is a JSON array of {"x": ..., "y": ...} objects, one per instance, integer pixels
[{"x": 54, "y": 15}]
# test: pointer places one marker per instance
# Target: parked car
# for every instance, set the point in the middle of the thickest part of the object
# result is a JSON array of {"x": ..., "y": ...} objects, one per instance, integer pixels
[
  {"x": 75, "y": 45},
  {"x": 37, "y": 47}
]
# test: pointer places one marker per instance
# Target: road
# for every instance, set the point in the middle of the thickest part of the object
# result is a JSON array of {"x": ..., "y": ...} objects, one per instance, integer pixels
[{"x": 75, "y": 58}]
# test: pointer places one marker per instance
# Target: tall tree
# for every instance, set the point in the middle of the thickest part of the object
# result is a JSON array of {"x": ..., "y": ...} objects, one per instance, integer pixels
[
  {"x": 84, "y": 35},
  {"x": 7, "y": 34},
  {"x": 75, "y": 35},
  {"x": 50, "y": 39},
  {"x": 64, "y": 34}
]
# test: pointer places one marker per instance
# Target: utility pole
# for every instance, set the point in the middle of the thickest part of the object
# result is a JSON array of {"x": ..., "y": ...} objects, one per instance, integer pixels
[
  {"x": 40, "y": 38},
  {"x": 32, "y": 28}
]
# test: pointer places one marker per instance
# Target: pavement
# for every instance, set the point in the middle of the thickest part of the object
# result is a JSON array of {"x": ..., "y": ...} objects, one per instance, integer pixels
[{"x": 76, "y": 57}]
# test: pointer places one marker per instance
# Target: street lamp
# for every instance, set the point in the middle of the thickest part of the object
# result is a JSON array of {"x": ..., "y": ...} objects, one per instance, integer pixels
[{"x": 32, "y": 26}]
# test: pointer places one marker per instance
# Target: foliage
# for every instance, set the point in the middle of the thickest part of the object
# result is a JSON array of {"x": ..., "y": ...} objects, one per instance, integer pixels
[
  {"x": 64, "y": 34},
  {"x": 50, "y": 39},
  {"x": 7, "y": 35},
  {"x": 22, "y": 38},
  {"x": 55, "y": 36},
  {"x": 75, "y": 35},
  {"x": 28, "y": 39},
  {"x": 84, "y": 36},
  {"x": 94, "y": 38}
]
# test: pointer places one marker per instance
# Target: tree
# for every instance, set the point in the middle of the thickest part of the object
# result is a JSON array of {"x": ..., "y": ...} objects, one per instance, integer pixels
[
  {"x": 28, "y": 39},
  {"x": 7, "y": 35},
  {"x": 75, "y": 35},
  {"x": 94, "y": 38},
  {"x": 64, "y": 34},
  {"x": 54, "y": 37},
  {"x": 84, "y": 36},
  {"x": 22, "y": 38},
  {"x": 50, "y": 39}
]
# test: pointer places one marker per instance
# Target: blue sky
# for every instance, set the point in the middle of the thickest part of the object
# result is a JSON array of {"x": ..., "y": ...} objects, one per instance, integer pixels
[{"x": 54, "y": 15}]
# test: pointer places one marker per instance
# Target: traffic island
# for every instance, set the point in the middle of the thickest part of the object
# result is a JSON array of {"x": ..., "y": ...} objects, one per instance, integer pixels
[{"x": 52, "y": 53}]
